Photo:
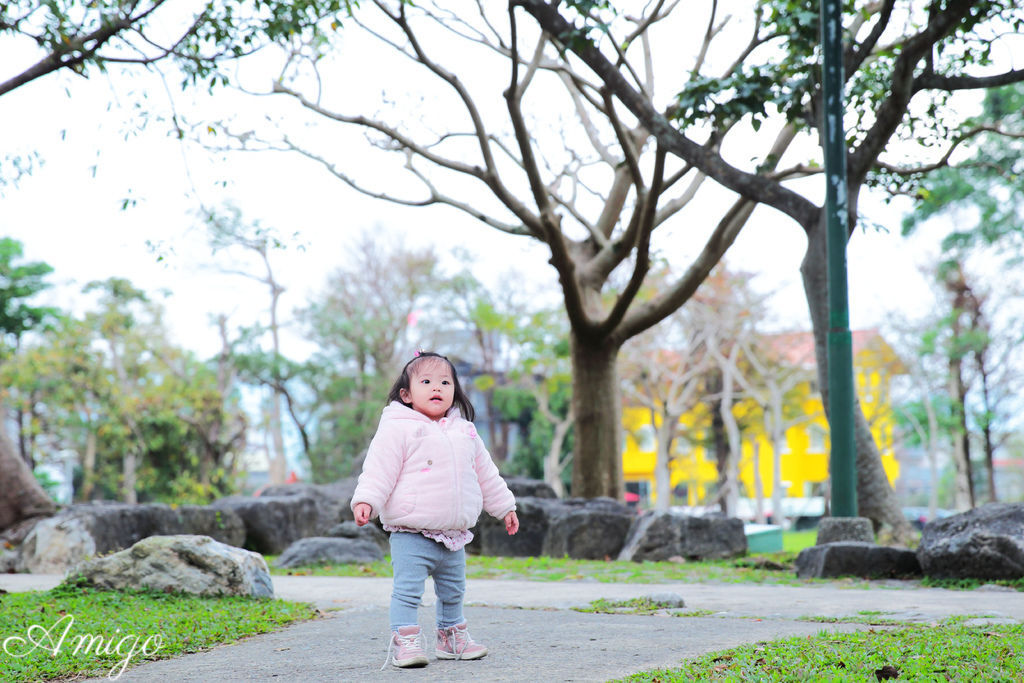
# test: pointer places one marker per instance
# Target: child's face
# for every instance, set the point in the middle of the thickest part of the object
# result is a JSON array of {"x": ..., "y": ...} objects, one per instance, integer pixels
[{"x": 431, "y": 389}]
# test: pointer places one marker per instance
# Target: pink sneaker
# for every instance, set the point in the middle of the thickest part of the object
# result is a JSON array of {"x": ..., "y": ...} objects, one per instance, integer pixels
[
  {"x": 407, "y": 646},
  {"x": 454, "y": 642}
]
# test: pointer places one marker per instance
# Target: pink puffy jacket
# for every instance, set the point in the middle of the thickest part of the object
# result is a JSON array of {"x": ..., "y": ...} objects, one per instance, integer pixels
[{"x": 432, "y": 475}]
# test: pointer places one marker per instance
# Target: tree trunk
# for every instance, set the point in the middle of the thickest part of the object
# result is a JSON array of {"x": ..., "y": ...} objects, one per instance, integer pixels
[
  {"x": 23, "y": 449},
  {"x": 730, "y": 492},
  {"x": 662, "y": 461},
  {"x": 89, "y": 464},
  {"x": 986, "y": 429},
  {"x": 933, "y": 457},
  {"x": 22, "y": 497},
  {"x": 553, "y": 464},
  {"x": 278, "y": 466},
  {"x": 597, "y": 455},
  {"x": 758, "y": 484},
  {"x": 875, "y": 498},
  {"x": 718, "y": 441},
  {"x": 963, "y": 484},
  {"x": 778, "y": 437}
]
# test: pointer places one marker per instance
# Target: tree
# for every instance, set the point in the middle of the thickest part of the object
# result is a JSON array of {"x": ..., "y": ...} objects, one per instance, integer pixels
[
  {"x": 147, "y": 420},
  {"x": 84, "y": 37},
  {"x": 895, "y": 57},
  {"x": 663, "y": 371},
  {"x": 544, "y": 370},
  {"x": 113, "y": 323},
  {"x": 925, "y": 411},
  {"x": 773, "y": 379},
  {"x": 43, "y": 38},
  {"x": 268, "y": 368},
  {"x": 23, "y": 499},
  {"x": 594, "y": 192},
  {"x": 754, "y": 375},
  {"x": 371, "y": 314},
  {"x": 19, "y": 282},
  {"x": 982, "y": 194}
]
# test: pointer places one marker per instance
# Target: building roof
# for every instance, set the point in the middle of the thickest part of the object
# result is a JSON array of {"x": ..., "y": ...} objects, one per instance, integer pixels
[{"x": 869, "y": 348}]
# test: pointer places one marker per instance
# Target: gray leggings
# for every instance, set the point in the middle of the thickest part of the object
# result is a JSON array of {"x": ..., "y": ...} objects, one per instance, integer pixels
[{"x": 414, "y": 557}]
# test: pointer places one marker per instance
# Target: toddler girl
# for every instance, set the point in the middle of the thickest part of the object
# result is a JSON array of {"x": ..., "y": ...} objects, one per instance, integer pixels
[{"x": 427, "y": 475}]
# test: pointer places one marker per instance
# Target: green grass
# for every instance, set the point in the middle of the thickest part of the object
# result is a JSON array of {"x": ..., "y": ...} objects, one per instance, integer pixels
[
  {"x": 774, "y": 568},
  {"x": 950, "y": 651},
  {"x": 643, "y": 605},
  {"x": 795, "y": 541},
  {"x": 971, "y": 584},
  {"x": 765, "y": 568},
  {"x": 115, "y": 629}
]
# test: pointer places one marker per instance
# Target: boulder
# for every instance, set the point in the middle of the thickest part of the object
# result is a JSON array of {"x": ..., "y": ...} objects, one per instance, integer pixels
[
  {"x": 330, "y": 550},
  {"x": 856, "y": 558},
  {"x": 984, "y": 543},
  {"x": 836, "y": 529},
  {"x": 181, "y": 563},
  {"x": 272, "y": 523},
  {"x": 10, "y": 560},
  {"x": 57, "y": 543},
  {"x": 587, "y": 529},
  {"x": 332, "y": 500},
  {"x": 368, "y": 532},
  {"x": 87, "y": 529},
  {"x": 523, "y": 487},
  {"x": 490, "y": 538},
  {"x": 659, "y": 535}
]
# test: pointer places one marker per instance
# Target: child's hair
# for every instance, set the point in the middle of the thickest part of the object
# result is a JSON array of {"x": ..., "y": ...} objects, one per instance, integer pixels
[{"x": 460, "y": 400}]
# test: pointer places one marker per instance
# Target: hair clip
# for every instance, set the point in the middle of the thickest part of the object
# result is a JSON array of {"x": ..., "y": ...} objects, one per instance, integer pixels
[{"x": 417, "y": 354}]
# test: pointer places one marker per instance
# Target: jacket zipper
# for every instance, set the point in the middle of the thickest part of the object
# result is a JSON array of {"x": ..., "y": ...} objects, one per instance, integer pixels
[{"x": 455, "y": 475}]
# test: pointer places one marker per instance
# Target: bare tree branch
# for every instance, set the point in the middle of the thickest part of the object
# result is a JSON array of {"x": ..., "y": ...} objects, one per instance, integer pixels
[
  {"x": 932, "y": 81},
  {"x": 904, "y": 85},
  {"x": 649, "y": 203},
  {"x": 749, "y": 185},
  {"x": 944, "y": 160},
  {"x": 550, "y": 224},
  {"x": 857, "y": 53}
]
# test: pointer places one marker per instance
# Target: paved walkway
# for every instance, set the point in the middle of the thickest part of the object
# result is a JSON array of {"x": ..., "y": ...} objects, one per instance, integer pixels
[{"x": 532, "y": 634}]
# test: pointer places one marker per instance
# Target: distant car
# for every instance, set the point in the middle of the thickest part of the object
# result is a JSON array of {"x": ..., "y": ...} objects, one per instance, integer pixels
[{"x": 918, "y": 516}]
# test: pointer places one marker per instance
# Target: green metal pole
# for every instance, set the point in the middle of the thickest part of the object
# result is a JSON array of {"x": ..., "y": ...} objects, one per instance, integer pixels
[{"x": 842, "y": 462}]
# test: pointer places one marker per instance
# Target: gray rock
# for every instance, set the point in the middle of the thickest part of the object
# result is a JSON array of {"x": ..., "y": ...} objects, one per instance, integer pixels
[
  {"x": 10, "y": 560},
  {"x": 84, "y": 530},
  {"x": 525, "y": 487},
  {"x": 57, "y": 543},
  {"x": 984, "y": 543},
  {"x": 182, "y": 563},
  {"x": 490, "y": 538},
  {"x": 332, "y": 500},
  {"x": 852, "y": 558},
  {"x": 661, "y": 535},
  {"x": 368, "y": 532},
  {"x": 852, "y": 529},
  {"x": 587, "y": 529},
  {"x": 329, "y": 550},
  {"x": 272, "y": 523}
]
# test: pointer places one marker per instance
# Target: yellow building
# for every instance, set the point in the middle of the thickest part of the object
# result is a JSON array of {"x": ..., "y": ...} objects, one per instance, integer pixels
[{"x": 804, "y": 457}]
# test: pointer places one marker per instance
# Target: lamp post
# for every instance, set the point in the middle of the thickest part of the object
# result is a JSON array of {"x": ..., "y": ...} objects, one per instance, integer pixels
[{"x": 842, "y": 459}]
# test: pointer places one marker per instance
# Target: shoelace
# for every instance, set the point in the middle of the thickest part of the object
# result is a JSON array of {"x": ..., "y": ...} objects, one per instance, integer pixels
[
  {"x": 411, "y": 639},
  {"x": 450, "y": 633}
]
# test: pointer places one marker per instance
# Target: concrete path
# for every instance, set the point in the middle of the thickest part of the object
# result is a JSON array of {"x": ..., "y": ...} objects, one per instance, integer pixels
[{"x": 534, "y": 636}]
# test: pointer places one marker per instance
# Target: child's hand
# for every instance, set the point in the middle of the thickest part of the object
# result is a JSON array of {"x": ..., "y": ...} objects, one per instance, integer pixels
[
  {"x": 362, "y": 513},
  {"x": 511, "y": 523}
]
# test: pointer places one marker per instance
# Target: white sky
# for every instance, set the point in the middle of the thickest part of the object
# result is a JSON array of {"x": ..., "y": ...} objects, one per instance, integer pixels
[{"x": 68, "y": 214}]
